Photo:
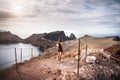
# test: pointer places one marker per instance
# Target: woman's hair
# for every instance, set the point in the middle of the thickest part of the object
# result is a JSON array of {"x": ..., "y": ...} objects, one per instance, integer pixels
[{"x": 59, "y": 40}]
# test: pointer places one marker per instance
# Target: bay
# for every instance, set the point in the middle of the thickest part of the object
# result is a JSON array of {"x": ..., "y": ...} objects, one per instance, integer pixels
[{"x": 7, "y": 53}]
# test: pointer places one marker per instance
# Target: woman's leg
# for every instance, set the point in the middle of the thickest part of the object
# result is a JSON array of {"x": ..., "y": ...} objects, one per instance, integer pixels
[{"x": 59, "y": 56}]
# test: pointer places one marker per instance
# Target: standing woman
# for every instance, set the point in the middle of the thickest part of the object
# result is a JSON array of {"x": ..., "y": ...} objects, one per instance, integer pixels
[{"x": 59, "y": 48}]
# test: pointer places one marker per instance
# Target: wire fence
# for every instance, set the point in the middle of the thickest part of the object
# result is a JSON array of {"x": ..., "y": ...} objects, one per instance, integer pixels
[{"x": 15, "y": 55}]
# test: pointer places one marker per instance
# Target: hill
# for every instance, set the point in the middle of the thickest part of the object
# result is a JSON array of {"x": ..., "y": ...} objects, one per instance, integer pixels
[
  {"x": 8, "y": 37},
  {"x": 94, "y": 43}
]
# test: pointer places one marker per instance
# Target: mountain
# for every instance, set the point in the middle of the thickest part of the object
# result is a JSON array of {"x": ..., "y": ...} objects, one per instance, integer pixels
[
  {"x": 55, "y": 35},
  {"x": 46, "y": 40},
  {"x": 8, "y": 37},
  {"x": 43, "y": 41},
  {"x": 39, "y": 40}
]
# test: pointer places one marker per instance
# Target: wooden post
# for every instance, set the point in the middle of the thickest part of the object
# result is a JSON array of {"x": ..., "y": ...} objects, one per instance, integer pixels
[
  {"x": 86, "y": 51},
  {"x": 78, "y": 58},
  {"x": 31, "y": 52},
  {"x": 16, "y": 57},
  {"x": 21, "y": 55}
]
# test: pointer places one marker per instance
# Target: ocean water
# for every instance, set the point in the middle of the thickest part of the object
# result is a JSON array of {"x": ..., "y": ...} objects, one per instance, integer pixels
[{"x": 7, "y": 53}]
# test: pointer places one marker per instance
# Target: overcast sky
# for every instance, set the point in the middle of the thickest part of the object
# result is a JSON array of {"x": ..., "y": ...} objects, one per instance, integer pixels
[{"x": 93, "y": 17}]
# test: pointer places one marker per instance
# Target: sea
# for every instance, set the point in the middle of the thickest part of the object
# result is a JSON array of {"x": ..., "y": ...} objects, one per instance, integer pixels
[{"x": 18, "y": 52}]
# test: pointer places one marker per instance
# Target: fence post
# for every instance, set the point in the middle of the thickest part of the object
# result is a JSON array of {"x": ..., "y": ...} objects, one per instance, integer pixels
[
  {"x": 86, "y": 51},
  {"x": 21, "y": 55},
  {"x": 78, "y": 58},
  {"x": 31, "y": 52},
  {"x": 16, "y": 57}
]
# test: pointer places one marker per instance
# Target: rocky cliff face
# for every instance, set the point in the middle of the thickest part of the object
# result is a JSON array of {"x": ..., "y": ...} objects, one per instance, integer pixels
[
  {"x": 72, "y": 36},
  {"x": 40, "y": 41},
  {"x": 55, "y": 35},
  {"x": 47, "y": 40},
  {"x": 7, "y": 37}
]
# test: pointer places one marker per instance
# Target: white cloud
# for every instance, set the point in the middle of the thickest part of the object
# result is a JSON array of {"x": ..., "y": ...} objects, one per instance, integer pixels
[
  {"x": 118, "y": 19},
  {"x": 28, "y": 6},
  {"x": 117, "y": 6},
  {"x": 93, "y": 11}
]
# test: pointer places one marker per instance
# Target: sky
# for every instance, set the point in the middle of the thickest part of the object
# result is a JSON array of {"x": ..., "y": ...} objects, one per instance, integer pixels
[{"x": 81, "y": 17}]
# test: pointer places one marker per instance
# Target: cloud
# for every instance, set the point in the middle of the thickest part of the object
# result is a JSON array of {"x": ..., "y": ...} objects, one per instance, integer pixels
[
  {"x": 118, "y": 19},
  {"x": 91, "y": 11},
  {"x": 28, "y": 7}
]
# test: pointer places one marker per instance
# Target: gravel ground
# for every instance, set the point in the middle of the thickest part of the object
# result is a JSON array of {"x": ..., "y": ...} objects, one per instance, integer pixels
[{"x": 51, "y": 69}]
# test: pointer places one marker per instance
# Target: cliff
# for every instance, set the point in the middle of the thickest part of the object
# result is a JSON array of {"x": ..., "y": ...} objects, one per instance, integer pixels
[
  {"x": 55, "y": 35},
  {"x": 40, "y": 41},
  {"x": 8, "y": 37},
  {"x": 47, "y": 40}
]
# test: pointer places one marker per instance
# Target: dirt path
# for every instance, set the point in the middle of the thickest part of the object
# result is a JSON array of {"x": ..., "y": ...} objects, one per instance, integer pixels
[
  {"x": 37, "y": 69},
  {"x": 65, "y": 64},
  {"x": 52, "y": 69}
]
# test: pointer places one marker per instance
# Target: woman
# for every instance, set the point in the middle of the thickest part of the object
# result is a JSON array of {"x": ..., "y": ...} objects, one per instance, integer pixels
[{"x": 59, "y": 49}]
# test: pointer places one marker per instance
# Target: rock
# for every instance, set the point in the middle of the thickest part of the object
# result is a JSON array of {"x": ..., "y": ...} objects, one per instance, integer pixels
[
  {"x": 56, "y": 71},
  {"x": 105, "y": 54},
  {"x": 114, "y": 50},
  {"x": 72, "y": 36},
  {"x": 91, "y": 59},
  {"x": 99, "y": 72},
  {"x": 69, "y": 75}
]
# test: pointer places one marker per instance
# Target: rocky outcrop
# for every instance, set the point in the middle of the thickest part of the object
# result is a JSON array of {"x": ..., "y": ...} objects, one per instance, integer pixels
[
  {"x": 72, "y": 36},
  {"x": 40, "y": 41},
  {"x": 7, "y": 37},
  {"x": 114, "y": 51},
  {"x": 47, "y": 40},
  {"x": 55, "y": 35}
]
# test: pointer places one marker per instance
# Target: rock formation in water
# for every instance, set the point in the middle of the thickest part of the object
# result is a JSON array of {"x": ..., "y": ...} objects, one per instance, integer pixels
[
  {"x": 40, "y": 41},
  {"x": 8, "y": 37}
]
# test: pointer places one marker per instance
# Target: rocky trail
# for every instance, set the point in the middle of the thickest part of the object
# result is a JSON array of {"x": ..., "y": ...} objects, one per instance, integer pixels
[
  {"x": 52, "y": 69},
  {"x": 37, "y": 69}
]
